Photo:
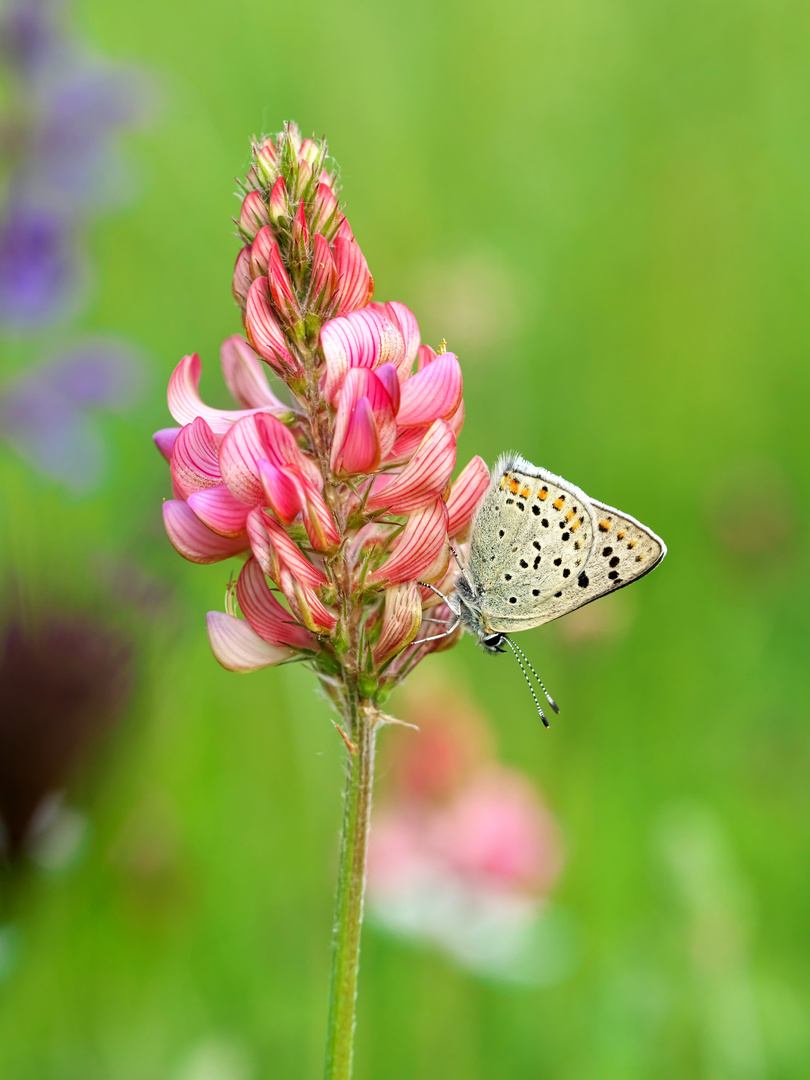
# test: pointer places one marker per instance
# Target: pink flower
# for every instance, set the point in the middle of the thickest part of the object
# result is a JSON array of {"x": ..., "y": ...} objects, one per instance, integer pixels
[
  {"x": 343, "y": 499},
  {"x": 460, "y": 845}
]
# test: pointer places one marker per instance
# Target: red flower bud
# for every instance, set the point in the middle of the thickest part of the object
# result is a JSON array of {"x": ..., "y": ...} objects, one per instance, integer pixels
[{"x": 254, "y": 214}]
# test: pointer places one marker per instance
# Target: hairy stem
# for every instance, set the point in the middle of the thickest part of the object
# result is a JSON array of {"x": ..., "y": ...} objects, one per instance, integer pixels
[{"x": 361, "y": 723}]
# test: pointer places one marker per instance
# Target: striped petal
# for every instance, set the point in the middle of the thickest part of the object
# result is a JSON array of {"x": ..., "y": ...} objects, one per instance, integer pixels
[
  {"x": 275, "y": 550},
  {"x": 265, "y": 614},
  {"x": 422, "y": 548},
  {"x": 251, "y": 440},
  {"x": 282, "y": 490},
  {"x": 362, "y": 434},
  {"x": 355, "y": 283},
  {"x": 245, "y": 377},
  {"x": 466, "y": 494},
  {"x": 265, "y": 334},
  {"x": 193, "y": 540},
  {"x": 238, "y": 647},
  {"x": 164, "y": 440},
  {"x": 260, "y": 251},
  {"x": 361, "y": 339},
  {"x": 185, "y": 403},
  {"x": 316, "y": 617},
  {"x": 219, "y": 510},
  {"x": 424, "y": 477},
  {"x": 402, "y": 618},
  {"x": 433, "y": 393},
  {"x": 195, "y": 458}
]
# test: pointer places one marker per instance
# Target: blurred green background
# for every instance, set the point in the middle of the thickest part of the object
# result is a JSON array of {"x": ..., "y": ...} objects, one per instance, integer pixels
[{"x": 605, "y": 209}]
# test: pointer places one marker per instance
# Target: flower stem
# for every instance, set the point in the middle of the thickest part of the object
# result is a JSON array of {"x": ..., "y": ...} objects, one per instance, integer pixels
[{"x": 361, "y": 725}]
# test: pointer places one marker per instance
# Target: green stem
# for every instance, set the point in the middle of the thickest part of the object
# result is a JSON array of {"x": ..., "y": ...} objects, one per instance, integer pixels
[{"x": 351, "y": 886}]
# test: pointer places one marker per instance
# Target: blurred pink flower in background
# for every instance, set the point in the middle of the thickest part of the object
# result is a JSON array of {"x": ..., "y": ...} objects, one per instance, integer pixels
[{"x": 463, "y": 851}]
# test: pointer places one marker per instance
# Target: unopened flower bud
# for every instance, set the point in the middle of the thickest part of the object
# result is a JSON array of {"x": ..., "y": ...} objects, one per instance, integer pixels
[
  {"x": 279, "y": 207},
  {"x": 266, "y": 158},
  {"x": 325, "y": 216},
  {"x": 260, "y": 251},
  {"x": 254, "y": 214},
  {"x": 284, "y": 299},
  {"x": 242, "y": 278},
  {"x": 401, "y": 620},
  {"x": 323, "y": 282}
]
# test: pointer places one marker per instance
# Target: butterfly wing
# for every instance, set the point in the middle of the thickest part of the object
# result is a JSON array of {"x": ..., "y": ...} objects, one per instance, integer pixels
[
  {"x": 623, "y": 551},
  {"x": 533, "y": 533}
]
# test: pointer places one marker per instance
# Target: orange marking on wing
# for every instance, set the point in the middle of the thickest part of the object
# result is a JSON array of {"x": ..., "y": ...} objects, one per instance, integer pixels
[
  {"x": 621, "y": 535},
  {"x": 525, "y": 492},
  {"x": 576, "y": 525},
  {"x": 558, "y": 503},
  {"x": 632, "y": 543},
  {"x": 542, "y": 494},
  {"x": 505, "y": 481},
  {"x": 604, "y": 525},
  {"x": 514, "y": 486},
  {"x": 569, "y": 515}
]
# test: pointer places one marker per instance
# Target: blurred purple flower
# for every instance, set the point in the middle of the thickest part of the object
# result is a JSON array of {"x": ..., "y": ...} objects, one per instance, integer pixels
[
  {"x": 63, "y": 165},
  {"x": 47, "y": 416},
  {"x": 37, "y": 265}
]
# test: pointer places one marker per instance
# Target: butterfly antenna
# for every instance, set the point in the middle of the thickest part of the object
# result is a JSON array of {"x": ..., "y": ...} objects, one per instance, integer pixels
[
  {"x": 528, "y": 680},
  {"x": 549, "y": 698}
]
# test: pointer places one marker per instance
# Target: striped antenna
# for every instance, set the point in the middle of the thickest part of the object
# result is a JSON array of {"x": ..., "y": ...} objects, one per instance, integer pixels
[
  {"x": 511, "y": 645},
  {"x": 549, "y": 698}
]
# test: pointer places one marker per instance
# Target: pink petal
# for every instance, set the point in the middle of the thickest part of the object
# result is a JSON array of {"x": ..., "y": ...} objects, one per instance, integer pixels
[
  {"x": 387, "y": 374},
  {"x": 193, "y": 540},
  {"x": 355, "y": 283},
  {"x": 279, "y": 207},
  {"x": 360, "y": 450},
  {"x": 242, "y": 277},
  {"x": 456, "y": 421},
  {"x": 314, "y": 615},
  {"x": 219, "y": 510},
  {"x": 164, "y": 440},
  {"x": 325, "y": 211},
  {"x": 282, "y": 490},
  {"x": 318, "y": 520},
  {"x": 195, "y": 457},
  {"x": 260, "y": 251},
  {"x": 466, "y": 495},
  {"x": 250, "y": 440},
  {"x": 238, "y": 647},
  {"x": 275, "y": 551},
  {"x": 299, "y": 233},
  {"x": 284, "y": 299},
  {"x": 402, "y": 618},
  {"x": 185, "y": 403},
  {"x": 323, "y": 283},
  {"x": 424, "y": 477},
  {"x": 426, "y": 356},
  {"x": 254, "y": 214},
  {"x": 369, "y": 443},
  {"x": 432, "y": 393},
  {"x": 309, "y": 151},
  {"x": 265, "y": 614},
  {"x": 245, "y": 376},
  {"x": 406, "y": 444},
  {"x": 353, "y": 341},
  {"x": 265, "y": 334},
  {"x": 405, "y": 322},
  {"x": 345, "y": 230},
  {"x": 419, "y": 549}
]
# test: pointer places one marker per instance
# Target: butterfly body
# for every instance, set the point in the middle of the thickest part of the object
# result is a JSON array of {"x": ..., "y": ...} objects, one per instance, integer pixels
[{"x": 539, "y": 548}]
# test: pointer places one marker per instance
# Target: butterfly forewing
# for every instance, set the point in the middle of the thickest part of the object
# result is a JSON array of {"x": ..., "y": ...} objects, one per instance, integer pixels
[{"x": 532, "y": 535}]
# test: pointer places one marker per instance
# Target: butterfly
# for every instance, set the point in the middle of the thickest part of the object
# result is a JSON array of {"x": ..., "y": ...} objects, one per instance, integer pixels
[{"x": 539, "y": 548}]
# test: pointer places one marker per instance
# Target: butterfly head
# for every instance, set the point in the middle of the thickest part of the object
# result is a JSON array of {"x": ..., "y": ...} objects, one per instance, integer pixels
[{"x": 492, "y": 643}]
